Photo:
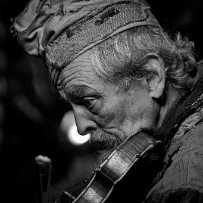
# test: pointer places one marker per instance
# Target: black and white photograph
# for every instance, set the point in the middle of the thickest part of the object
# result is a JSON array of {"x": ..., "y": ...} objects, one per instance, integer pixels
[{"x": 101, "y": 101}]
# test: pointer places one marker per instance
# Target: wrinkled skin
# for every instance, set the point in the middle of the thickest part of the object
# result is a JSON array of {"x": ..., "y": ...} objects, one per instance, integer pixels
[{"x": 103, "y": 109}]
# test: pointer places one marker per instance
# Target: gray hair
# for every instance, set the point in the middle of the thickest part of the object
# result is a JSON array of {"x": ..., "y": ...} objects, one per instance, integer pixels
[{"x": 122, "y": 57}]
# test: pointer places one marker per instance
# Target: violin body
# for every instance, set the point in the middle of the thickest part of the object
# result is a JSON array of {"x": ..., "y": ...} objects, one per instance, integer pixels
[{"x": 113, "y": 169}]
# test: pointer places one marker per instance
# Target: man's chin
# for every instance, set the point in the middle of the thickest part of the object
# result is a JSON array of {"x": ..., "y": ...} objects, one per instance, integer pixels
[{"x": 105, "y": 144}]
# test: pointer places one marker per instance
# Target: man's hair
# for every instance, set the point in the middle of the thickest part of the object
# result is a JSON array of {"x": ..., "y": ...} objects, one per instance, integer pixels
[{"x": 122, "y": 57}]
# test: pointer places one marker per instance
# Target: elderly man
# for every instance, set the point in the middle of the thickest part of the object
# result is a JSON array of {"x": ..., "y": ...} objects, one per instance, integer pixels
[{"x": 122, "y": 74}]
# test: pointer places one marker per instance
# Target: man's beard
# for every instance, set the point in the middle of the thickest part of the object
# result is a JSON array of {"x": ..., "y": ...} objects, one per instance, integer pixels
[{"x": 105, "y": 144}]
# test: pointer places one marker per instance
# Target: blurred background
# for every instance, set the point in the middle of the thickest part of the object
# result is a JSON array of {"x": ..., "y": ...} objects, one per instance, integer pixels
[{"x": 33, "y": 118}]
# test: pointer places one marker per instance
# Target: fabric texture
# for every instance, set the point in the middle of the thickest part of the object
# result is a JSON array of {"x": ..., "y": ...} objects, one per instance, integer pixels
[
  {"x": 62, "y": 30},
  {"x": 181, "y": 179}
]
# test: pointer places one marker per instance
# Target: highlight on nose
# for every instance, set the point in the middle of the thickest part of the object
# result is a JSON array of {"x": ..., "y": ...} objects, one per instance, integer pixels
[
  {"x": 84, "y": 124},
  {"x": 69, "y": 128}
]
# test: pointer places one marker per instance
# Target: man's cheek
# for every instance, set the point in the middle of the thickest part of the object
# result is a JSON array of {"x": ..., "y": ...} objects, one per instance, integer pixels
[
  {"x": 106, "y": 119},
  {"x": 112, "y": 120}
]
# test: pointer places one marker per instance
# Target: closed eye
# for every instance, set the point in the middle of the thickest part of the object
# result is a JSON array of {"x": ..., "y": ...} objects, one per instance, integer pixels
[{"x": 89, "y": 102}]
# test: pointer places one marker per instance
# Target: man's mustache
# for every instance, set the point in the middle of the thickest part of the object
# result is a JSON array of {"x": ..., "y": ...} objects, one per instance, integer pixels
[{"x": 104, "y": 141}]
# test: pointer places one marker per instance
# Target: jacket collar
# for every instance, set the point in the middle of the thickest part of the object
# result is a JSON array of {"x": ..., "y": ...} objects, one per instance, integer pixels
[{"x": 185, "y": 107}]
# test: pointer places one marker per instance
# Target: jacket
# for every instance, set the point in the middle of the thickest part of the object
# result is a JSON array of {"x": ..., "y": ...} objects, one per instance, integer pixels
[{"x": 181, "y": 178}]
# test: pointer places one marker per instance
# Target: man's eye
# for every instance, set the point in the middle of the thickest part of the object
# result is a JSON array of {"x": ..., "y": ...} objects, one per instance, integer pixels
[{"x": 89, "y": 102}]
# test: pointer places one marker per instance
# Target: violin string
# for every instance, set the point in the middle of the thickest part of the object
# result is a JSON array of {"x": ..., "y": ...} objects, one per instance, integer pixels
[{"x": 83, "y": 184}]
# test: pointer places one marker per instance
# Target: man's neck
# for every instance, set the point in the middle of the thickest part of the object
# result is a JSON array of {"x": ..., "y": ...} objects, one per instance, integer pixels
[{"x": 172, "y": 96}]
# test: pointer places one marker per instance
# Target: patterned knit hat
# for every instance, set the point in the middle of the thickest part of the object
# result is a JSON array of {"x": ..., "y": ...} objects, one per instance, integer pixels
[{"x": 61, "y": 30}]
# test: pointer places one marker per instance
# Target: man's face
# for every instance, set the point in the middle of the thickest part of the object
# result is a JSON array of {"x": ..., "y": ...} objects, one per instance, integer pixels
[{"x": 103, "y": 109}]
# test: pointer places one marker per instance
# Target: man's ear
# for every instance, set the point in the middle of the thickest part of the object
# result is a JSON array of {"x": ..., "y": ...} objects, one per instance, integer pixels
[{"x": 156, "y": 82}]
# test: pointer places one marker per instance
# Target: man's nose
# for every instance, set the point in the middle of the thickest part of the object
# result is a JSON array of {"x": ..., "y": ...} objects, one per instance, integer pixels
[{"x": 84, "y": 124}]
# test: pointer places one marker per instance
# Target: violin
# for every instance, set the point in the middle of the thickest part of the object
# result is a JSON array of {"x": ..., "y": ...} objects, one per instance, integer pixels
[{"x": 113, "y": 169}]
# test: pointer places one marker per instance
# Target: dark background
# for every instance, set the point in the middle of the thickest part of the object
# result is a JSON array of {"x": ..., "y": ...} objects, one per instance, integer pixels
[{"x": 31, "y": 110}]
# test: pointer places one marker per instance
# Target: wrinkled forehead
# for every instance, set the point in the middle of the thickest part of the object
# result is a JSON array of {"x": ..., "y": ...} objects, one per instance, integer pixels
[{"x": 79, "y": 72}]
